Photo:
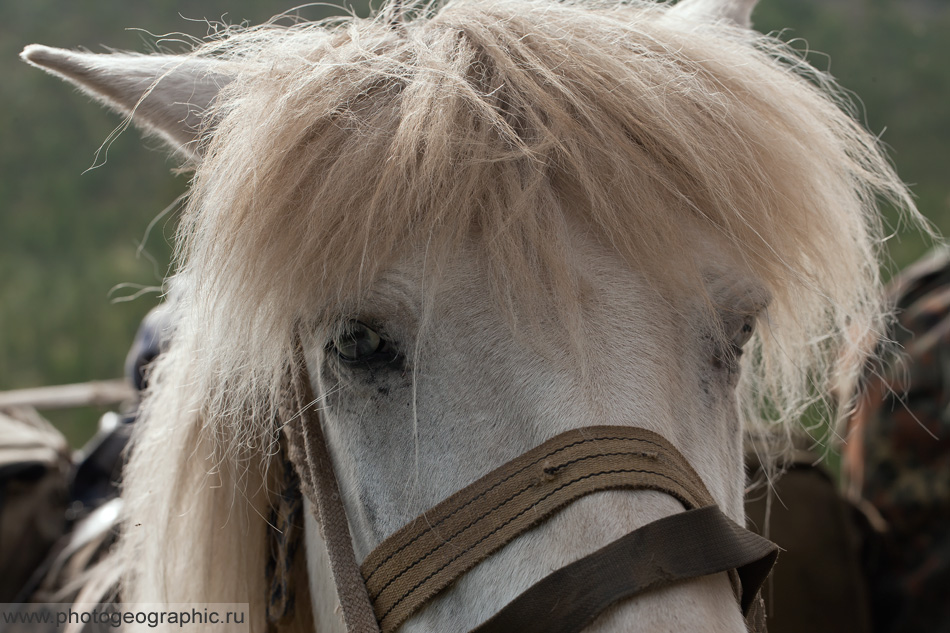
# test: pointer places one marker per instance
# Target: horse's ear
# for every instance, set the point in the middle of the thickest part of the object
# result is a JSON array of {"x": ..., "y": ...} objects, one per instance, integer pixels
[
  {"x": 165, "y": 94},
  {"x": 738, "y": 11}
]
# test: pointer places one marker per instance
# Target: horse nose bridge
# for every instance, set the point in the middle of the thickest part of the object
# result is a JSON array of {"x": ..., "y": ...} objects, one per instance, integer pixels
[
  {"x": 619, "y": 395},
  {"x": 595, "y": 520}
]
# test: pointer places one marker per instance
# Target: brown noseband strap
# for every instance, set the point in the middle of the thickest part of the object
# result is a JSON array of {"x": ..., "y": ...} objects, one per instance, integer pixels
[
  {"x": 679, "y": 547},
  {"x": 427, "y": 555}
]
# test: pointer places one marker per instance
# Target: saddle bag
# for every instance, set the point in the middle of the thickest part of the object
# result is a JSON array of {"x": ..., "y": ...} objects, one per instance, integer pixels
[{"x": 35, "y": 468}]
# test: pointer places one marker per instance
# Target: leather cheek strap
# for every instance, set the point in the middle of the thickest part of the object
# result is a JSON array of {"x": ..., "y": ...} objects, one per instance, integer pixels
[{"x": 679, "y": 547}]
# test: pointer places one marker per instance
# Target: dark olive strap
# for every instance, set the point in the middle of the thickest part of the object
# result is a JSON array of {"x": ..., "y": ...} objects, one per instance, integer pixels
[
  {"x": 679, "y": 547},
  {"x": 430, "y": 553},
  {"x": 308, "y": 452}
]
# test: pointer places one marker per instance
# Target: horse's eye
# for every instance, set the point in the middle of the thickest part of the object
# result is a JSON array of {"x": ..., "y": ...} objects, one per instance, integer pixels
[
  {"x": 357, "y": 342},
  {"x": 744, "y": 334}
]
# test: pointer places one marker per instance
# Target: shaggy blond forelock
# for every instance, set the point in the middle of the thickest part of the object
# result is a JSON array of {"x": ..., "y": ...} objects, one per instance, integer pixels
[{"x": 338, "y": 149}]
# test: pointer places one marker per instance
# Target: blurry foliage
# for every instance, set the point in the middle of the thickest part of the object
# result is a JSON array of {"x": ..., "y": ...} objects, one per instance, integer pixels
[{"x": 68, "y": 237}]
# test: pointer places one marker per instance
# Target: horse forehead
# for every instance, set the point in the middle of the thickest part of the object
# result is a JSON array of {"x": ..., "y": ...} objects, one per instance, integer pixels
[
  {"x": 611, "y": 292},
  {"x": 600, "y": 273}
]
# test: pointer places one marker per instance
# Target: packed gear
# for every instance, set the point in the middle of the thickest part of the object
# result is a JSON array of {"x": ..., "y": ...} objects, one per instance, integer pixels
[
  {"x": 897, "y": 461},
  {"x": 59, "y": 510},
  {"x": 35, "y": 466},
  {"x": 818, "y": 584}
]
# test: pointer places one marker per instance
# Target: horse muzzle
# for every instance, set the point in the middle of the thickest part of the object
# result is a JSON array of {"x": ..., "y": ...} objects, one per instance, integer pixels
[{"x": 427, "y": 555}]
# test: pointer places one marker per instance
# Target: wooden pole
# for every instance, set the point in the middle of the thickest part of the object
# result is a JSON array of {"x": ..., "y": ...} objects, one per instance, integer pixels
[{"x": 88, "y": 394}]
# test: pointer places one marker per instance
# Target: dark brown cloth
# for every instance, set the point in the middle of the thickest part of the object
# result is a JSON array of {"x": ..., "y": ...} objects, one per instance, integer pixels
[{"x": 817, "y": 584}]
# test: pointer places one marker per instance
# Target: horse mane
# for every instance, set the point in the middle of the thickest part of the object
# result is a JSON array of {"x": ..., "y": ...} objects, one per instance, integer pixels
[{"x": 340, "y": 147}]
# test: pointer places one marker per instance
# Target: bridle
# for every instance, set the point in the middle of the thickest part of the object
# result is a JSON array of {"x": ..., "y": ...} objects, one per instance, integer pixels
[{"x": 427, "y": 555}]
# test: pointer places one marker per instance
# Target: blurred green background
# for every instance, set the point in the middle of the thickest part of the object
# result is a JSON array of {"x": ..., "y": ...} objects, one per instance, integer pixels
[{"x": 70, "y": 261}]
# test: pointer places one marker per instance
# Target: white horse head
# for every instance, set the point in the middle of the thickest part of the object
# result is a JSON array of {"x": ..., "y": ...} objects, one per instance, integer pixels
[{"x": 491, "y": 223}]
